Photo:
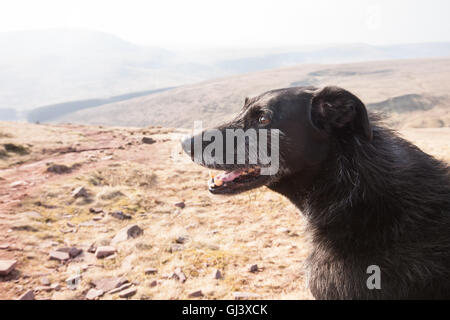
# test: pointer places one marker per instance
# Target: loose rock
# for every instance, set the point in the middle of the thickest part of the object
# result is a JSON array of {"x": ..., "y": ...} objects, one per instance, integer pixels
[
  {"x": 128, "y": 293},
  {"x": 43, "y": 288},
  {"x": 132, "y": 231},
  {"x": 181, "y": 240},
  {"x": 180, "y": 205},
  {"x": 45, "y": 281},
  {"x": 56, "y": 286},
  {"x": 121, "y": 288},
  {"x": 73, "y": 281},
  {"x": 59, "y": 169},
  {"x": 6, "y": 266},
  {"x": 73, "y": 251},
  {"x": 150, "y": 271},
  {"x": 253, "y": 268},
  {"x": 80, "y": 192},
  {"x": 244, "y": 295},
  {"x": 196, "y": 294},
  {"x": 148, "y": 140},
  {"x": 105, "y": 251},
  {"x": 59, "y": 255},
  {"x": 29, "y": 295},
  {"x": 120, "y": 215},
  {"x": 179, "y": 275},
  {"x": 218, "y": 275},
  {"x": 92, "y": 248},
  {"x": 108, "y": 284},
  {"x": 176, "y": 247},
  {"x": 95, "y": 210},
  {"x": 93, "y": 294}
]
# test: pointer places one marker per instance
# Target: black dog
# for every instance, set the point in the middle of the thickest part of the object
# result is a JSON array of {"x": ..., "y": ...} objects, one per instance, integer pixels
[{"x": 370, "y": 197}]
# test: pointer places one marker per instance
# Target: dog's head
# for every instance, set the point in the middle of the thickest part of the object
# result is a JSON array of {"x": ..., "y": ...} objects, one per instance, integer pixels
[{"x": 294, "y": 127}]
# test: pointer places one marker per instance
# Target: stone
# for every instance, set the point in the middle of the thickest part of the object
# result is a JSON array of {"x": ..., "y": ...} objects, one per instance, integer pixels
[
  {"x": 104, "y": 251},
  {"x": 121, "y": 288},
  {"x": 95, "y": 210},
  {"x": 4, "y": 246},
  {"x": 176, "y": 247},
  {"x": 127, "y": 293},
  {"x": 253, "y": 268},
  {"x": 120, "y": 215},
  {"x": 244, "y": 295},
  {"x": 108, "y": 284},
  {"x": 43, "y": 288},
  {"x": 196, "y": 294},
  {"x": 154, "y": 283},
  {"x": 150, "y": 271},
  {"x": 179, "y": 275},
  {"x": 45, "y": 281},
  {"x": 29, "y": 295},
  {"x": 56, "y": 286},
  {"x": 180, "y": 205},
  {"x": 59, "y": 255},
  {"x": 92, "y": 248},
  {"x": 73, "y": 251},
  {"x": 73, "y": 281},
  {"x": 80, "y": 192},
  {"x": 148, "y": 140},
  {"x": 94, "y": 294},
  {"x": 181, "y": 240},
  {"x": 131, "y": 231},
  {"x": 218, "y": 275},
  {"x": 88, "y": 224},
  {"x": 6, "y": 266},
  {"x": 59, "y": 169}
]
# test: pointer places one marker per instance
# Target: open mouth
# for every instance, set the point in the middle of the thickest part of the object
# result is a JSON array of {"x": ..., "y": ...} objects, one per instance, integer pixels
[{"x": 231, "y": 182}]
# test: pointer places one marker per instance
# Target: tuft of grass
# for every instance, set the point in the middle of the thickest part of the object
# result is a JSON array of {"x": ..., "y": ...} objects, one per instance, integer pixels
[
  {"x": 3, "y": 154},
  {"x": 16, "y": 148}
]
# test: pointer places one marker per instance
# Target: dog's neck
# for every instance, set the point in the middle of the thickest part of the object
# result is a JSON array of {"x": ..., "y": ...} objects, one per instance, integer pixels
[{"x": 341, "y": 194}]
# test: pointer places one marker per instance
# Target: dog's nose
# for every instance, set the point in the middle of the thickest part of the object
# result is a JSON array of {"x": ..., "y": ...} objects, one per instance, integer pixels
[{"x": 187, "y": 144}]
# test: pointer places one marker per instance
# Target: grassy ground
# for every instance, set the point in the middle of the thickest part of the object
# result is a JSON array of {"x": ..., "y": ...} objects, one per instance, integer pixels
[{"x": 145, "y": 181}]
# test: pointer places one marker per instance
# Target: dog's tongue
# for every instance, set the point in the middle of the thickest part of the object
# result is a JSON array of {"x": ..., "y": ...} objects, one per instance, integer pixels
[{"x": 228, "y": 176}]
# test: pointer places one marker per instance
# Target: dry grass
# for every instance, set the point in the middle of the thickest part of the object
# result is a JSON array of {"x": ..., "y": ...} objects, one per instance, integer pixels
[{"x": 145, "y": 181}]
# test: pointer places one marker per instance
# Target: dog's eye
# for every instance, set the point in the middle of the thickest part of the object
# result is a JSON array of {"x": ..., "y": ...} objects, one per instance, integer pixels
[{"x": 264, "y": 120}]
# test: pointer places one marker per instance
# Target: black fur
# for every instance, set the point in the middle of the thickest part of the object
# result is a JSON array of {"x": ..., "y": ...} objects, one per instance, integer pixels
[{"x": 370, "y": 197}]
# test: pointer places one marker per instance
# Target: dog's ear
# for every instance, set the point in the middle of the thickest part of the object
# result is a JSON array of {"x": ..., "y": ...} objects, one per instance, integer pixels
[{"x": 337, "y": 110}]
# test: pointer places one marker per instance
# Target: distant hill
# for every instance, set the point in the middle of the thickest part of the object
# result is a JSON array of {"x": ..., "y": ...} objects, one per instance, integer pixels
[
  {"x": 335, "y": 54},
  {"x": 50, "y": 112},
  {"x": 415, "y": 93},
  {"x": 56, "y": 66},
  {"x": 46, "y": 67}
]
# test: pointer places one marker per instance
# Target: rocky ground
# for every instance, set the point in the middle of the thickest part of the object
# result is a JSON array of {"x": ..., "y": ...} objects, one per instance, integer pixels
[{"x": 115, "y": 213}]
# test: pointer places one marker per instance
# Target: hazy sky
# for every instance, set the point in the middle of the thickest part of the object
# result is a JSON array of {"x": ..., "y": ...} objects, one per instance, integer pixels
[{"x": 204, "y": 23}]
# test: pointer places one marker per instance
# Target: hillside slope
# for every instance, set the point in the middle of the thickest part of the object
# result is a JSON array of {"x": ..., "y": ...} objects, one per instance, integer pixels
[
  {"x": 414, "y": 92},
  {"x": 52, "y": 66}
]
